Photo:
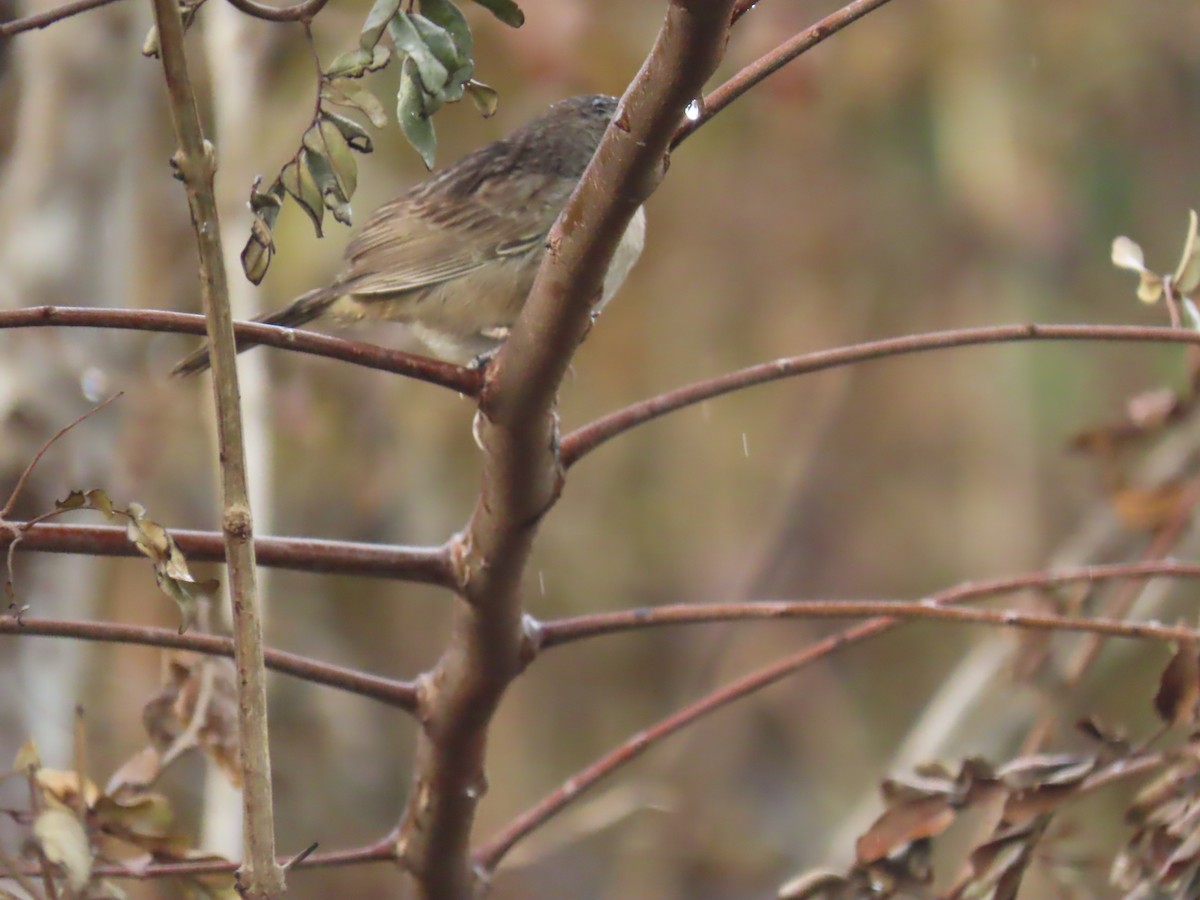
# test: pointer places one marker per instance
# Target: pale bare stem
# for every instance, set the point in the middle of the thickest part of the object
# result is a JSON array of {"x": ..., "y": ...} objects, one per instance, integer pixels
[
  {"x": 41, "y": 20},
  {"x": 260, "y": 876},
  {"x": 521, "y": 471}
]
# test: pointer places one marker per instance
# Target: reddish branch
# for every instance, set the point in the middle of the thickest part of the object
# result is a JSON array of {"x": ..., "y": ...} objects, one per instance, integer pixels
[
  {"x": 399, "y": 694},
  {"x": 772, "y": 62},
  {"x": 570, "y": 630},
  {"x": 427, "y": 565},
  {"x": 489, "y": 855},
  {"x": 583, "y": 440},
  {"x": 456, "y": 378},
  {"x": 564, "y": 631}
]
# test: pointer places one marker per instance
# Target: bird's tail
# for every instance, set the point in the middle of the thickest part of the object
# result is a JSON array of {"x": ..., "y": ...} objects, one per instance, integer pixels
[{"x": 300, "y": 311}]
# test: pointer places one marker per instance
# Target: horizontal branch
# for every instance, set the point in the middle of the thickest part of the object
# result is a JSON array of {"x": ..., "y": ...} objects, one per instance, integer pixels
[
  {"x": 421, "y": 368},
  {"x": 488, "y": 855},
  {"x": 586, "y": 439},
  {"x": 425, "y": 565},
  {"x": 381, "y": 851},
  {"x": 399, "y": 694},
  {"x": 564, "y": 631},
  {"x": 41, "y": 20},
  {"x": 568, "y": 630}
]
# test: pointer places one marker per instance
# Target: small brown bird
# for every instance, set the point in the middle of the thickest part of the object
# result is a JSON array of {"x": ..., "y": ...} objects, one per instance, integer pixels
[{"x": 454, "y": 258}]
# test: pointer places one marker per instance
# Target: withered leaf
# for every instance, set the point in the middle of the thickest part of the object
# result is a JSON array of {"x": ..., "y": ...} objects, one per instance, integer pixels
[
  {"x": 902, "y": 824},
  {"x": 1147, "y": 509},
  {"x": 65, "y": 844},
  {"x": 1179, "y": 686}
]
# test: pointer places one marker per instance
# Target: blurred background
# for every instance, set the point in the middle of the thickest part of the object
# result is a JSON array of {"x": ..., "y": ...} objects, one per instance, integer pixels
[{"x": 940, "y": 164}]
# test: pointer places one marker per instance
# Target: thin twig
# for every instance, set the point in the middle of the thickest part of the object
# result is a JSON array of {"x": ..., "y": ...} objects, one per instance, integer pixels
[
  {"x": 583, "y": 440},
  {"x": 433, "y": 371},
  {"x": 564, "y": 631},
  {"x": 41, "y": 20},
  {"x": 398, "y": 694},
  {"x": 301, "y": 12},
  {"x": 569, "y": 630},
  {"x": 490, "y": 853},
  {"x": 20, "y": 485},
  {"x": 772, "y": 62},
  {"x": 260, "y": 876}
]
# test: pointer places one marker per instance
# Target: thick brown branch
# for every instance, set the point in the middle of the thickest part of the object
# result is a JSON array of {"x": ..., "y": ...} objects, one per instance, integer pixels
[
  {"x": 522, "y": 476},
  {"x": 41, "y": 20},
  {"x": 399, "y": 694},
  {"x": 456, "y": 378},
  {"x": 586, "y": 439}
]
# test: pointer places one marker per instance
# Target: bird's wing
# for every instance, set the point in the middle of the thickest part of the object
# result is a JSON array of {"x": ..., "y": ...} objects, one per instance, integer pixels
[{"x": 431, "y": 236}]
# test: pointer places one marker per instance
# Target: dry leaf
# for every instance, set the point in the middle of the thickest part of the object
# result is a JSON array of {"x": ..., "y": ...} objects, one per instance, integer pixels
[
  {"x": 65, "y": 844},
  {"x": 903, "y": 824},
  {"x": 1179, "y": 686}
]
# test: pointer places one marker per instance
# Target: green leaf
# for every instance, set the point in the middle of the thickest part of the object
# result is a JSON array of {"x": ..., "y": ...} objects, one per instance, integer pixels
[
  {"x": 356, "y": 136},
  {"x": 332, "y": 192},
  {"x": 266, "y": 204},
  {"x": 446, "y": 15},
  {"x": 357, "y": 63},
  {"x": 485, "y": 98},
  {"x": 260, "y": 248},
  {"x": 326, "y": 139},
  {"x": 344, "y": 92},
  {"x": 504, "y": 10},
  {"x": 298, "y": 181},
  {"x": 1187, "y": 274},
  {"x": 377, "y": 20},
  {"x": 439, "y": 42},
  {"x": 414, "y": 121},
  {"x": 432, "y": 73},
  {"x": 353, "y": 64}
]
